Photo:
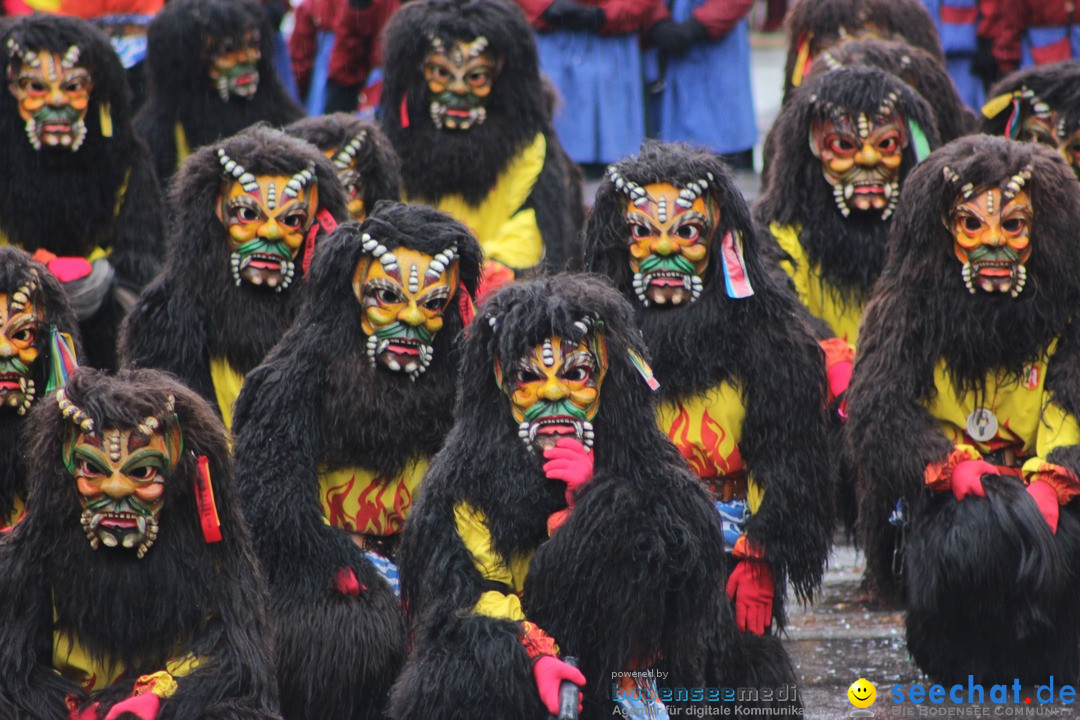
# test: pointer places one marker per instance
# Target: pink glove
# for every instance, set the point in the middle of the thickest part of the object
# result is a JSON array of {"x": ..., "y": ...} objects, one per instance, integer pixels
[
  {"x": 1046, "y": 498},
  {"x": 750, "y": 585},
  {"x": 345, "y": 582},
  {"x": 68, "y": 269},
  {"x": 549, "y": 672},
  {"x": 967, "y": 478},
  {"x": 570, "y": 462},
  {"x": 839, "y": 378},
  {"x": 144, "y": 706}
]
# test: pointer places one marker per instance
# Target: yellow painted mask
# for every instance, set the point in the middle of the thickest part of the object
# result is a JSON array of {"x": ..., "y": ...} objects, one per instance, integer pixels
[
  {"x": 1051, "y": 129},
  {"x": 460, "y": 79},
  {"x": 53, "y": 95},
  {"x": 21, "y": 324},
  {"x": 234, "y": 65},
  {"x": 120, "y": 475},
  {"x": 403, "y": 295},
  {"x": 267, "y": 218},
  {"x": 346, "y": 162},
  {"x": 992, "y": 239},
  {"x": 861, "y": 159},
  {"x": 671, "y": 235},
  {"x": 554, "y": 390}
]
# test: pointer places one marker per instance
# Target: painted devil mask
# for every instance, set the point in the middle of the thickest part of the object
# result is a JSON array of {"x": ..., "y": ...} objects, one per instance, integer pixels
[
  {"x": 861, "y": 157},
  {"x": 403, "y": 295},
  {"x": 346, "y": 161},
  {"x": 53, "y": 95},
  {"x": 120, "y": 475},
  {"x": 459, "y": 78},
  {"x": 21, "y": 324},
  {"x": 554, "y": 389},
  {"x": 233, "y": 65},
  {"x": 267, "y": 218},
  {"x": 991, "y": 231},
  {"x": 1050, "y": 128}
]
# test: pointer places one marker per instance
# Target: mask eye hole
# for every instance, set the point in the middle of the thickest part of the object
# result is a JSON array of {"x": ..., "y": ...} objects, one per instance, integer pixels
[
  {"x": 88, "y": 469},
  {"x": 889, "y": 144},
  {"x": 578, "y": 374},
  {"x": 639, "y": 231},
  {"x": 144, "y": 474},
  {"x": 971, "y": 223},
  {"x": 688, "y": 232},
  {"x": 294, "y": 220},
  {"x": 246, "y": 214},
  {"x": 1012, "y": 225},
  {"x": 525, "y": 377},
  {"x": 840, "y": 145},
  {"x": 25, "y": 336}
]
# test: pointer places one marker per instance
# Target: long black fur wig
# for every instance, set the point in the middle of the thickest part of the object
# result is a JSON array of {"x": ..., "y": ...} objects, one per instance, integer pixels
[
  {"x": 1057, "y": 85},
  {"x": 193, "y": 311},
  {"x": 849, "y": 252},
  {"x": 758, "y": 343},
  {"x": 17, "y": 270},
  {"x": 316, "y": 402},
  {"x": 105, "y": 194},
  {"x": 436, "y": 163},
  {"x": 184, "y": 596},
  {"x": 980, "y": 563},
  {"x": 179, "y": 86},
  {"x": 635, "y": 574}
]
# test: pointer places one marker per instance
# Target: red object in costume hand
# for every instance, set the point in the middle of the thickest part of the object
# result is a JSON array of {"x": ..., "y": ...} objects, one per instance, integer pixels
[
  {"x": 967, "y": 478},
  {"x": 493, "y": 277},
  {"x": 549, "y": 672},
  {"x": 345, "y": 582},
  {"x": 1046, "y": 499},
  {"x": 570, "y": 462},
  {"x": 87, "y": 713},
  {"x": 750, "y": 585},
  {"x": 144, "y": 706}
]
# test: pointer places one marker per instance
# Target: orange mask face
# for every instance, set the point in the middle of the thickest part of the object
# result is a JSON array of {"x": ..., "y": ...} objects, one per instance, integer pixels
[
  {"x": 120, "y": 476},
  {"x": 20, "y": 326},
  {"x": 53, "y": 95},
  {"x": 671, "y": 235},
  {"x": 1050, "y": 129},
  {"x": 992, "y": 240},
  {"x": 861, "y": 159},
  {"x": 404, "y": 294},
  {"x": 554, "y": 390},
  {"x": 233, "y": 65},
  {"x": 459, "y": 79},
  {"x": 267, "y": 218}
]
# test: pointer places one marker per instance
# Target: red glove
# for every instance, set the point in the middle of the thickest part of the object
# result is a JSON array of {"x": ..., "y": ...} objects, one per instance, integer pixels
[
  {"x": 144, "y": 706},
  {"x": 570, "y": 462},
  {"x": 1046, "y": 498},
  {"x": 967, "y": 478},
  {"x": 345, "y": 582},
  {"x": 549, "y": 672},
  {"x": 750, "y": 585},
  {"x": 69, "y": 269}
]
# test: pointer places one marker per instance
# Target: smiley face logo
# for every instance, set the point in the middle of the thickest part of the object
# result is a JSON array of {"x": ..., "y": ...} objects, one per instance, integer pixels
[{"x": 862, "y": 693}]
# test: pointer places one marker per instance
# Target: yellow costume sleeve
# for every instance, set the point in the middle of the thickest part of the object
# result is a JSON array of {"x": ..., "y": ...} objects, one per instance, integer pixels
[
  {"x": 507, "y": 231},
  {"x": 227, "y": 385},
  {"x": 472, "y": 528}
]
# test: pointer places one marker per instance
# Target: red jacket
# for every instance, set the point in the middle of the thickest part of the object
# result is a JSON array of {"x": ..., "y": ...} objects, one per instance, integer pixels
[
  {"x": 357, "y": 46},
  {"x": 311, "y": 17},
  {"x": 718, "y": 16},
  {"x": 621, "y": 17},
  {"x": 1016, "y": 16}
]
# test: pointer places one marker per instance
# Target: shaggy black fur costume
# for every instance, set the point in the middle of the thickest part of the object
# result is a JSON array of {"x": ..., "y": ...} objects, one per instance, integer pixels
[
  {"x": 318, "y": 403},
  {"x": 376, "y": 162},
  {"x": 849, "y": 252},
  {"x": 825, "y": 23},
  {"x": 634, "y": 575},
  {"x": 16, "y": 271},
  {"x": 757, "y": 343},
  {"x": 105, "y": 194},
  {"x": 436, "y": 163},
  {"x": 979, "y": 563},
  {"x": 193, "y": 311},
  {"x": 180, "y": 90},
  {"x": 1057, "y": 85},
  {"x": 184, "y": 596}
]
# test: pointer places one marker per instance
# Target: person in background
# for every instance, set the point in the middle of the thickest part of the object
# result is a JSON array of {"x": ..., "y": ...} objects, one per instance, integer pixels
[
  {"x": 310, "y": 47},
  {"x": 357, "y": 54},
  {"x": 693, "y": 102},
  {"x": 590, "y": 52},
  {"x": 1036, "y": 32},
  {"x": 966, "y": 28}
]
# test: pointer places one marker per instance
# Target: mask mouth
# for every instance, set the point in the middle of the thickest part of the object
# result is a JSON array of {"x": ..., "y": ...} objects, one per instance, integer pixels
[
  {"x": 120, "y": 528},
  {"x": 60, "y": 128},
  {"x": 667, "y": 288},
  {"x": 11, "y": 381},
  {"x": 409, "y": 355},
  {"x": 456, "y": 115},
  {"x": 544, "y": 432},
  {"x": 263, "y": 269},
  {"x": 995, "y": 276}
]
